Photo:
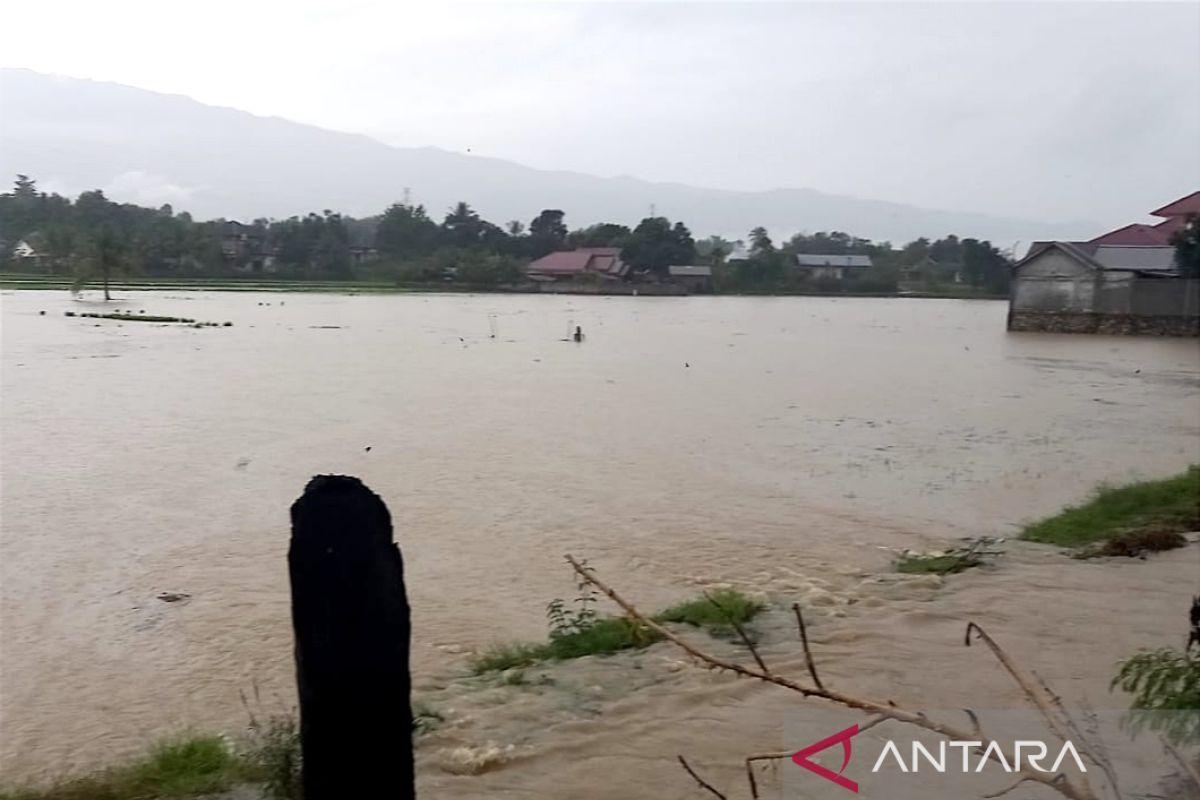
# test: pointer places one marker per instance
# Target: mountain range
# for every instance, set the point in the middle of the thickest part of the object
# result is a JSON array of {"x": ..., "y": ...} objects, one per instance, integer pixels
[{"x": 151, "y": 148}]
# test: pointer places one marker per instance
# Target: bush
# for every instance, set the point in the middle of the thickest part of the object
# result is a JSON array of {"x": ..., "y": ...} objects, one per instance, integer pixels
[
  {"x": 716, "y": 613},
  {"x": 1165, "y": 685}
]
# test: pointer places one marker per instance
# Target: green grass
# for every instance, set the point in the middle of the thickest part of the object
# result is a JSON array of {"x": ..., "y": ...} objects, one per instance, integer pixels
[
  {"x": 916, "y": 564},
  {"x": 714, "y": 614},
  {"x": 613, "y": 634},
  {"x": 607, "y": 635},
  {"x": 182, "y": 767},
  {"x": 1170, "y": 505}
]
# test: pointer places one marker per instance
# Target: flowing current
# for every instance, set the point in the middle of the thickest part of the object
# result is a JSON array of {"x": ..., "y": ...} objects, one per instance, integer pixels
[{"x": 785, "y": 446}]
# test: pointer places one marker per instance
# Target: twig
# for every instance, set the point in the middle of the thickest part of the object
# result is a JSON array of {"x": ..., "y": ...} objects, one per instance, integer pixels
[
  {"x": 750, "y": 769},
  {"x": 1061, "y": 783},
  {"x": 975, "y": 728},
  {"x": 698, "y": 779},
  {"x": 808, "y": 659},
  {"x": 741, "y": 632},
  {"x": 1188, "y": 768}
]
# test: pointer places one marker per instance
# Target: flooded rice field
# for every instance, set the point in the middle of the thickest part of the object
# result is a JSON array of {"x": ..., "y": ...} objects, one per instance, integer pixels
[{"x": 784, "y": 446}]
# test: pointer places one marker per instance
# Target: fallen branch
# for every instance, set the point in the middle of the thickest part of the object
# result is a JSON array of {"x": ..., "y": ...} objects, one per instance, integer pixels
[
  {"x": 1060, "y": 782},
  {"x": 808, "y": 659},
  {"x": 698, "y": 779},
  {"x": 740, "y": 631}
]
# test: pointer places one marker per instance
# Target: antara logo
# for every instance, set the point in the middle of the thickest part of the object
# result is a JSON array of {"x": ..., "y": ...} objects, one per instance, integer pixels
[{"x": 1036, "y": 753}]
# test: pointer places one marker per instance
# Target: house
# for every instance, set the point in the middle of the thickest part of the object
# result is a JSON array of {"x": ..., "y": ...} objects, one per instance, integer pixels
[
  {"x": 1085, "y": 287},
  {"x": 571, "y": 264},
  {"x": 362, "y": 254},
  {"x": 28, "y": 256},
  {"x": 692, "y": 278},
  {"x": 1159, "y": 234},
  {"x": 244, "y": 248},
  {"x": 825, "y": 266},
  {"x": 737, "y": 252}
]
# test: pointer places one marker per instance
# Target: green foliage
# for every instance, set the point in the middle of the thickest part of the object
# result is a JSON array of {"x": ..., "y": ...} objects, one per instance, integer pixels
[
  {"x": 1131, "y": 544},
  {"x": 406, "y": 232},
  {"x": 425, "y": 719},
  {"x": 606, "y": 635},
  {"x": 605, "y": 234},
  {"x": 716, "y": 613},
  {"x": 181, "y": 767},
  {"x": 1187, "y": 247},
  {"x": 654, "y": 245},
  {"x": 1165, "y": 685},
  {"x": 948, "y": 564},
  {"x": 1172, "y": 504}
]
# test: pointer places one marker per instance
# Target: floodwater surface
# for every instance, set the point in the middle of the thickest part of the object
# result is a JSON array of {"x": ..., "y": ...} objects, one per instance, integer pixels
[{"x": 787, "y": 446}]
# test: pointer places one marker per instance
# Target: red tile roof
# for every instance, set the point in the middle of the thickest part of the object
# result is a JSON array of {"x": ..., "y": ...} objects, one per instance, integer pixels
[
  {"x": 1135, "y": 234},
  {"x": 602, "y": 260},
  {"x": 1189, "y": 204}
]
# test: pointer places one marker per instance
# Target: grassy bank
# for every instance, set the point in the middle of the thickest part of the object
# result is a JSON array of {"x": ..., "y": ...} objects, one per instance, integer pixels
[
  {"x": 1137, "y": 516},
  {"x": 183, "y": 767},
  {"x": 717, "y": 613}
]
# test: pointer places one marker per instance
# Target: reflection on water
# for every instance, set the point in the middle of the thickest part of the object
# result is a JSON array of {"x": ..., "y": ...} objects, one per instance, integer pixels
[{"x": 775, "y": 443}]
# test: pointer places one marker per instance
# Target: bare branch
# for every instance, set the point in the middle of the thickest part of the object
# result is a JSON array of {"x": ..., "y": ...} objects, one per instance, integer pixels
[
  {"x": 808, "y": 659},
  {"x": 978, "y": 731},
  {"x": 885, "y": 710},
  {"x": 740, "y": 631},
  {"x": 750, "y": 768},
  {"x": 700, "y": 780},
  {"x": 1188, "y": 768}
]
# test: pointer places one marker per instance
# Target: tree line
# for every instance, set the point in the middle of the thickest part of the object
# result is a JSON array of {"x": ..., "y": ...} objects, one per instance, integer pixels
[{"x": 95, "y": 236}]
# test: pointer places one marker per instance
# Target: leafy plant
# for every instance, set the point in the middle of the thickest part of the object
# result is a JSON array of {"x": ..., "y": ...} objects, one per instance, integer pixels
[{"x": 1165, "y": 685}]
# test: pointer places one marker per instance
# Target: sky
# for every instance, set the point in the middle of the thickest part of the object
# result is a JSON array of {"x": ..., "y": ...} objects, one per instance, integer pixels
[{"x": 1064, "y": 111}]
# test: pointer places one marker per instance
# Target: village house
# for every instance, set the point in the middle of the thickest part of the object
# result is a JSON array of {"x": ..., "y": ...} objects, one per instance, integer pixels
[
  {"x": 1174, "y": 217},
  {"x": 603, "y": 262},
  {"x": 1084, "y": 287},
  {"x": 692, "y": 278},
  {"x": 244, "y": 248},
  {"x": 29, "y": 257},
  {"x": 824, "y": 266},
  {"x": 1122, "y": 282}
]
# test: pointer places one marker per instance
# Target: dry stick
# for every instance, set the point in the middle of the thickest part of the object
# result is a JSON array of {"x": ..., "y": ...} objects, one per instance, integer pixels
[
  {"x": 698, "y": 779},
  {"x": 808, "y": 659},
  {"x": 1188, "y": 768},
  {"x": 1005, "y": 791},
  {"x": 750, "y": 768},
  {"x": 1039, "y": 696},
  {"x": 1060, "y": 783},
  {"x": 1093, "y": 750},
  {"x": 741, "y": 632}
]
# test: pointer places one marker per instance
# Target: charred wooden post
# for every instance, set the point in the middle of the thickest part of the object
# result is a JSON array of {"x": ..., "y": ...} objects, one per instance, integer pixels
[{"x": 350, "y": 615}]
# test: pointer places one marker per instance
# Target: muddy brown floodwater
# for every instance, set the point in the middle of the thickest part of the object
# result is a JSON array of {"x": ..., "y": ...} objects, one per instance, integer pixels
[{"x": 781, "y": 445}]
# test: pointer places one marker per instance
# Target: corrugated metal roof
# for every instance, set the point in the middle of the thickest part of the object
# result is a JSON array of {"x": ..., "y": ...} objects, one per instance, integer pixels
[
  {"x": 1130, "y": 257},
  {"x": 811, "y": 260},
  {"x": 1135, "y": 234},
  {"x": 690, "y": 272}
]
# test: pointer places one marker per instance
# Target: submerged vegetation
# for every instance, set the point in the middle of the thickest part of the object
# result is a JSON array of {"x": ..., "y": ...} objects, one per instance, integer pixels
[
  {"x": 577, "y": 632},
  {"x": 1128, "y": 520},
  {"x": 129, "y": 316}
]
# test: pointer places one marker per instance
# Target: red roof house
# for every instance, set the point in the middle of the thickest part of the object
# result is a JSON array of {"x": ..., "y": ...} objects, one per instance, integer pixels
[
  {"x": 603, "y": 261},
  {"x": 1158, "y": 235}
]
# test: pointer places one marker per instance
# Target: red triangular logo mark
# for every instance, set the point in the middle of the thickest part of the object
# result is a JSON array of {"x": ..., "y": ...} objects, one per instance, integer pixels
[{"x": 801, "y": 757}]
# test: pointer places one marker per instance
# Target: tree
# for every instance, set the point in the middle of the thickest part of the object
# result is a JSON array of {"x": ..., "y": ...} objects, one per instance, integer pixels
[
  {"x": 605, "y": 234},
  {"x": 655, "y": 245},
  {"x": 715, "y": 249},
  {"x": 1187, "y": 247},
  {"x": 547, "y": 233},
  {"x": 107, "y": 256},
  {"x": 760, "y": 242},
  {"x": 405, "y": 232},
  {"x": 984, "y": 266}
]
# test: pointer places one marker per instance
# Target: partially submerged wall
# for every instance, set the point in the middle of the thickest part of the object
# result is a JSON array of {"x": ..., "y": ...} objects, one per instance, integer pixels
[{"x": 1110, "y": 324}]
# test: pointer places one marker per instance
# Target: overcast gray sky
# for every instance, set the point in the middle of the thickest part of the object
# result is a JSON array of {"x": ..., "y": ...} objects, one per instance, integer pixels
[{"x": 1068, "y": 111}]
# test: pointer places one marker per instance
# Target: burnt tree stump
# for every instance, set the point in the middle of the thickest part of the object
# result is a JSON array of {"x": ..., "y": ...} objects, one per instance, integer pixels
[{"x": 351, "y": 620}]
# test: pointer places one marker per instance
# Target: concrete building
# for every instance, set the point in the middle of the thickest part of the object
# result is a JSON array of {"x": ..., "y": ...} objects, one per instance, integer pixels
[
  {"x": 1085, "y": 287},
  {"x": 692, "y": 278},
  {"x": 822, "y": 266}
]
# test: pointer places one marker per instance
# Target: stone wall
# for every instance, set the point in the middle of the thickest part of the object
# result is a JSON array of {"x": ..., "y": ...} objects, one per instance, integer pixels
[{"x": 1109, "y": 324}]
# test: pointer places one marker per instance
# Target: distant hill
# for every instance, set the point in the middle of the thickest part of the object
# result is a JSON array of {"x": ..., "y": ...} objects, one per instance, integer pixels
[{"x": 153, "y": 148}]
